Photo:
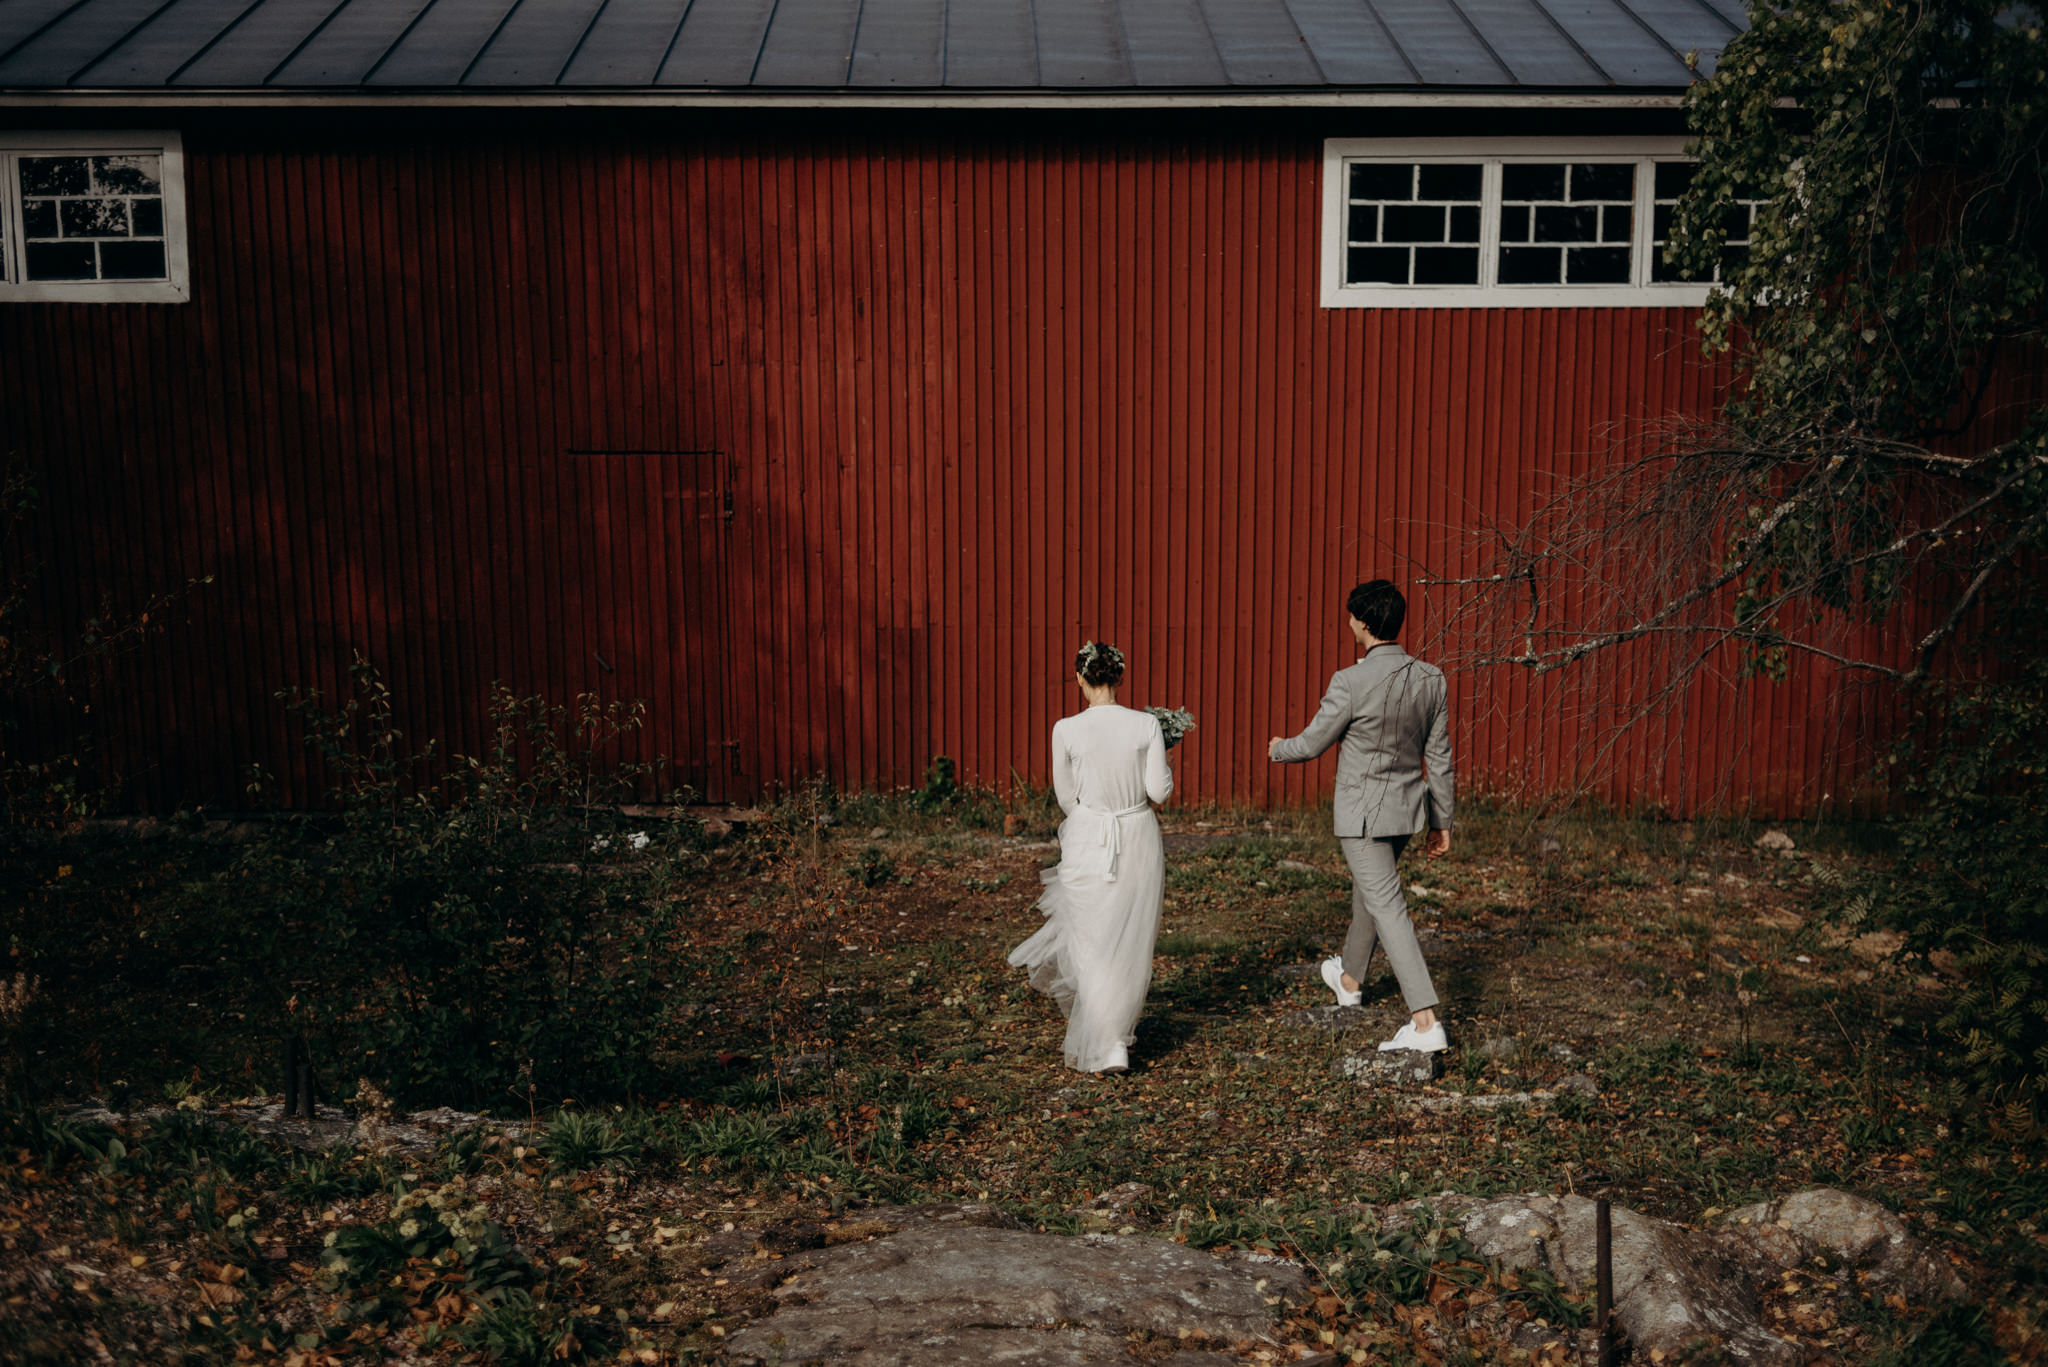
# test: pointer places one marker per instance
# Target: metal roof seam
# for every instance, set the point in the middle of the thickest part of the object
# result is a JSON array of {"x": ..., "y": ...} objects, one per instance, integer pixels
[
  {"x": 395, "y": 43},
  {"x": 1345, "y": 44},
  {"x": 1576, "y": 45},
  {"x": 209, "y": 45},
  {"x": 1208, "y": 28},
  {"x": 1116, "y": 7},
  {"x": 668, "y": 53},
  {"x": 1734, "y": 29},
  {"x": 581, "y": 38},
  {"x": 136, "y": 28},
  {"x": 1393, "y": 42},
  {"x": 1491, "y": 50},
  {"x": 860, "y": 12},
  {"x": 1655, "y": 36},
  {"x": 1306, "y": 46},
  {"x": 767, "y": 28},
  {"x": 1037, "y": 64},
  {"x": 303, "y": 43},
  {"x": 44, "y": 27},
  {"x": 496, "y": 29}
]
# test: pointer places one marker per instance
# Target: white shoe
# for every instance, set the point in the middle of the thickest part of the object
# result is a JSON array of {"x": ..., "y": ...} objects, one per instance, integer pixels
[
  {"x": 1333, "y": 978},
  {"x": 1430, "y": 1041}
]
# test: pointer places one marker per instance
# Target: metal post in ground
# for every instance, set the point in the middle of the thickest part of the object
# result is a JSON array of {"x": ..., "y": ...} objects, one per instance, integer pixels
[{"x": 1603, "y": 1278}]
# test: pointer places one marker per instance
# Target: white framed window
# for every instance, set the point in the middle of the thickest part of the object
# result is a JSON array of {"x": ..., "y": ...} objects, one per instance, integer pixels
[
  {"x": 93, "y": 218},
  {"x": 1507, "y": 223}
]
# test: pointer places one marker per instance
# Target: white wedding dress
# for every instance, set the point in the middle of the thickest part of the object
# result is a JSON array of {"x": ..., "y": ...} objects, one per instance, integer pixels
[{"x": 1093, "y": 955}]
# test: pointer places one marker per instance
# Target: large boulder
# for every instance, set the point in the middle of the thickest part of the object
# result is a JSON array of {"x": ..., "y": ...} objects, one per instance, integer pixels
[
  {"x": 936, "y": 1290},
  {"x": 1843, "y": 1229},
  {"x": 1676, "y": 1289},
  {"x": 1673, "y": 1287}
]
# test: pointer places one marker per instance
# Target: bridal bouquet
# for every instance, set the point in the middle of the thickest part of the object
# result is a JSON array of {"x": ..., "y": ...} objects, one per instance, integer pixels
[{"x": 1174, "y": 723}]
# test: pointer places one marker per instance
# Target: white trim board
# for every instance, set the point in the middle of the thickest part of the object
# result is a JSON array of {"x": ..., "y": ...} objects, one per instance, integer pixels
[
  {"x": 175, "y": 289},
  {"x": 557, "y": 98},
  {"x": 1496, "y": 152}
]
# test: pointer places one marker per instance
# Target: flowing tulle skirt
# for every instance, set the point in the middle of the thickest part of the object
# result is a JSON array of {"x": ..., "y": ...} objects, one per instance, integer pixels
[{"x": 1093, "y": 955}]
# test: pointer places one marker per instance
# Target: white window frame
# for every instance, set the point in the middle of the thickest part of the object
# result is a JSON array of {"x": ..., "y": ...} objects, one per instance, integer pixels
[
  {"x": 1494, "y": 153},
  {"x": 175, "y": 289}
]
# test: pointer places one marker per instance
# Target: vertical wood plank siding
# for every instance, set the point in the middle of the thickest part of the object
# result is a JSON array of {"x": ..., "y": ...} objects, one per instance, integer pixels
[{"x": 830, "y": 449}]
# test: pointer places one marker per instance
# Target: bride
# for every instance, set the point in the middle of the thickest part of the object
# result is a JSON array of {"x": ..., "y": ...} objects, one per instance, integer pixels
[{"x": 1093, "y": 955}]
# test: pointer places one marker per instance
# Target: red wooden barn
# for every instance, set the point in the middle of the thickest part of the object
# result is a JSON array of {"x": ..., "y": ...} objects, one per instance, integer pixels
[{"x": 823, "y": 372}]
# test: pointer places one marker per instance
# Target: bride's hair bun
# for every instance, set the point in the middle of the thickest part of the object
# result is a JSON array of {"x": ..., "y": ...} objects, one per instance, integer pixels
[{"x": 1100, "y": 663}]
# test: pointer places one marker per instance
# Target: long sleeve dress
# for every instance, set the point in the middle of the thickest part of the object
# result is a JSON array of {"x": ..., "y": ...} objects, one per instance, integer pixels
[{"x": 1093, "y": 955}]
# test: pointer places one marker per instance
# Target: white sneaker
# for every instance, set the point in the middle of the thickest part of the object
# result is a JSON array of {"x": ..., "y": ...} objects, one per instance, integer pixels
[
  {"x": 1333, "y": 978},
  {"x": 1429, "y": 1041}
]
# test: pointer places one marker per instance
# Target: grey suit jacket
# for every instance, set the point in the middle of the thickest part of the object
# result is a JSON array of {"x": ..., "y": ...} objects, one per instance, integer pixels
[{"x": 1394, "y": 772}]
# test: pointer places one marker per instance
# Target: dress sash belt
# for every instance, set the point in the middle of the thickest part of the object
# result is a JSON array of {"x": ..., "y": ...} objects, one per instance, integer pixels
[{"x": 1112, "y": 838}]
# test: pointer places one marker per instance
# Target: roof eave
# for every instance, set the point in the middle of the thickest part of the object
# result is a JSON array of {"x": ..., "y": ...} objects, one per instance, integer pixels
[{"x": 1403, "y": 97}]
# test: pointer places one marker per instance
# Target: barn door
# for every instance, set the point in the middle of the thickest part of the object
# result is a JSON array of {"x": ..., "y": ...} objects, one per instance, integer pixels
[{"x": 654, "y": 528}]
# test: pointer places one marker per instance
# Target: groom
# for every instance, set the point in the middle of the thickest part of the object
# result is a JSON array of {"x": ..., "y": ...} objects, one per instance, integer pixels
[{"x": 1393, "y": 777}]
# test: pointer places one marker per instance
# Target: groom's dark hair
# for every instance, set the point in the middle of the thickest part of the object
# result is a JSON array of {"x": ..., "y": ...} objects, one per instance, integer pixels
[{"x": 1380, "y": 606}]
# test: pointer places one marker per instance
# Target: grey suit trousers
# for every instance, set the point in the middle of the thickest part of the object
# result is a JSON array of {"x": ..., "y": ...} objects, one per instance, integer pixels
[{"x": 1379, "y": 915}]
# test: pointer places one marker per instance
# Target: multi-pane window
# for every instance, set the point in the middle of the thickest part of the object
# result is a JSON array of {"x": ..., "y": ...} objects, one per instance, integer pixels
[
  {"x": 1566, "y": 223},
  {"x": 91, "y": 218},
  {"x": 1505, "y": 223},
  {"x": 1673, "y": 179},
  {"x": 1410, "y": 224}
]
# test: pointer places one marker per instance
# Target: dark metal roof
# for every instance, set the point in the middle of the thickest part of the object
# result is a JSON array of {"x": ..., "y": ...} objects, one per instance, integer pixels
[{"x": 1126, "y": 47}]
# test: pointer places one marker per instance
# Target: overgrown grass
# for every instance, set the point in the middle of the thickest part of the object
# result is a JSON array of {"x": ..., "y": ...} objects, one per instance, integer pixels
[{"x": 828, "y": 1039}]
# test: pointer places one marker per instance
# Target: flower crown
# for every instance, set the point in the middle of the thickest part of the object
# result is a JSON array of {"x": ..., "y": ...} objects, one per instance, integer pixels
[{"x": 1094, "y": 652}]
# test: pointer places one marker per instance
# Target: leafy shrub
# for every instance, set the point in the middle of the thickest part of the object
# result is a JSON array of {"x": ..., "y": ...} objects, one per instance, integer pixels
[
  {"x": 48, "y": 772},
  {"x": 1359, "y": 1258},
  {"x": 450, "y": 937},
  {"x": 51, "y": 1141},
  {"x": 192, "y": 1142},
  {"x": 1371, "y": 1263},
  {"x": 436, "y": 1224},
  {"x": 736, "y": 1138},
  {"x": 871, "y": 868},
  {"x": 576, "y": 1140},
  {"x": 334, "y": 1174},
  {"x": 941, "y": 786},
  {"x": 1973, "y": 845},
  {"x": 440, "y": 1234},
  {"x": 516, "y": 1330},
  {"x": 1959, "y": 1336}
]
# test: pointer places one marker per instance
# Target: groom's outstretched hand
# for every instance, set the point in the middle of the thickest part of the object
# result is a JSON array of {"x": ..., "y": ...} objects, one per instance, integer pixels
[
  {"x": 1439, "y": 844},
  {"x": 1270, "y": 744}
]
